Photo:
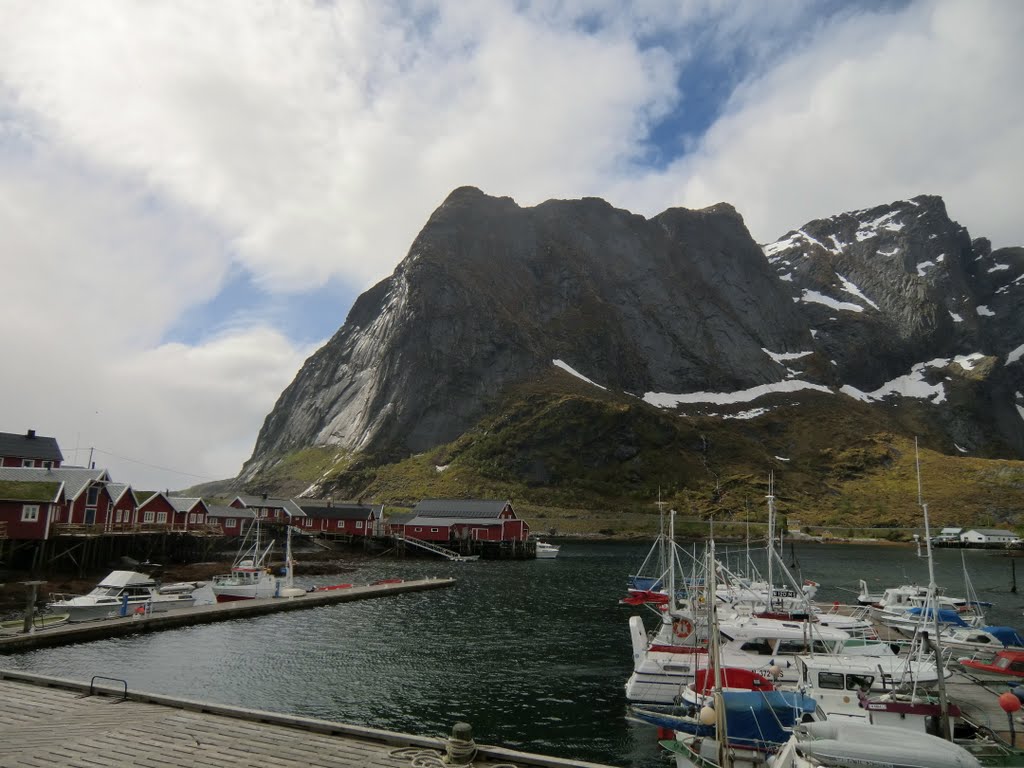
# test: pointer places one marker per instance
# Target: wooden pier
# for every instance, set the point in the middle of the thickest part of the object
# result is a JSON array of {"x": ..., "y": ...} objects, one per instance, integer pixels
[
  {"x": 49, "y": 721},
  {"x": 204, "y": 614}
]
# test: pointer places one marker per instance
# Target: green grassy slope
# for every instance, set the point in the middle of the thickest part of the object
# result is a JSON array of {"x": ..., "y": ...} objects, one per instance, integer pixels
[{"x": 574, "y": 458}]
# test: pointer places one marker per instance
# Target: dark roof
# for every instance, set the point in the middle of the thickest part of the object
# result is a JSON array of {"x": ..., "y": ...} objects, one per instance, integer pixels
[
  {"x": 30, "y": 446},
  {"x": 464, "y": 508},
  {"x": 337, "y": 511},
  {"x": 259, "y": 502}
]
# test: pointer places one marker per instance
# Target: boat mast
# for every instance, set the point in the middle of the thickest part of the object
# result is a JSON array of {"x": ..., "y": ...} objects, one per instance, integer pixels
[
  {"x": 933, "y": 603},
  {"x": 771, "y": 538},
  {"x": 714, "y": 651}
]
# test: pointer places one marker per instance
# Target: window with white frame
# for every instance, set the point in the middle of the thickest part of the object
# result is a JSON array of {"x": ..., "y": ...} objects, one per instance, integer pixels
[
  {"x": 47, "y": 465},
  {"x": 359, "y": 524},
  {"x": 149, "y": 516},
  {"x": 230, "y": 522},
  {"x": 117, "y": 516},
  {"x": 30, "y": 513},
  {"x": 309, "y": 522},
  {"x": 28, "y": 462},
  {"x": 433, "y": 530},
  {"x": 418, "y": 530},
  {"x": 161, "y": 517}
]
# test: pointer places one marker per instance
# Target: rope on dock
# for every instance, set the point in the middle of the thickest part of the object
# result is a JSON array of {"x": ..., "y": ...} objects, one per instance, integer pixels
[{"x": 432, "y": 758}]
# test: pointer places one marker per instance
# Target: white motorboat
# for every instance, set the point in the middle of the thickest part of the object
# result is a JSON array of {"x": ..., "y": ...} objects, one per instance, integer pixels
[
  {"x": 849, "y": 745},
  {"x": 123, "y": 593},
  {"x": 547, "y": 551},
  {"x": 981, "y": 643}
]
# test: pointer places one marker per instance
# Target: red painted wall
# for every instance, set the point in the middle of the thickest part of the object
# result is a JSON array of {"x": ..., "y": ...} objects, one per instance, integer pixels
[{"x": 10, "y": 512}]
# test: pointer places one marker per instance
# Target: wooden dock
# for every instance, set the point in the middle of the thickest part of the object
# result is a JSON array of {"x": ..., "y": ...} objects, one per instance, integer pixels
[
  {"x": 204, "y": 614},
  {"x": 50, "y": 721}
]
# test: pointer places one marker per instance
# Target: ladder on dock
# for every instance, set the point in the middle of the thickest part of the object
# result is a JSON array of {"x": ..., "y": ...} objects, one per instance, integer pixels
[{"x": 436, "y": 549}]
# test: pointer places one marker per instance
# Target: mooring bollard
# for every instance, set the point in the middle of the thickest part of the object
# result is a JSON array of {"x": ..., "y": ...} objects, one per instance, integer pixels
[{"x": 460, "y": 748}]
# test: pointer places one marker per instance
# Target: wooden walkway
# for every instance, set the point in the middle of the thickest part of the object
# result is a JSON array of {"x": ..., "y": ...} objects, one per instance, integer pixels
[
  {"x": 48, "y": 722},
  {"x": 68, "y": 634}
]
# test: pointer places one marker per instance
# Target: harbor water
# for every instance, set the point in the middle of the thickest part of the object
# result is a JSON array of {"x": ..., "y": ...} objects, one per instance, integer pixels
[{"x": 533, "y": 654}]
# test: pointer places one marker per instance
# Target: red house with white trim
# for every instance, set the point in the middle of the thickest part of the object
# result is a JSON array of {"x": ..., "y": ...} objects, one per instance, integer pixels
[
  {"x": 122, "y": 516},
  {"x": 329, "y": 517},
  {"x": 233, "y": 521},
  {"x": 267, "y": 509},
  {"x": 27, "y": 509},
  {"x": 29, "y": 450},
  {"x": 443, "y": 520}
]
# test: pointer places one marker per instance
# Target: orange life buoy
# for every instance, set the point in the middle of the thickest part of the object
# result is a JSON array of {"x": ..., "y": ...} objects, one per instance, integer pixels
[{"x": 682, "y": 628}]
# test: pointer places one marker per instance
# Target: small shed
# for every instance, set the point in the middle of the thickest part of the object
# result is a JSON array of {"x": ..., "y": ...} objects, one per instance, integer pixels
[{"x": 989, "y": 536}]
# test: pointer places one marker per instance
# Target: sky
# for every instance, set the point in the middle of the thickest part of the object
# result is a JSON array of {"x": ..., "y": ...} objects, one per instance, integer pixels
[{"x": 192, "y": 194}]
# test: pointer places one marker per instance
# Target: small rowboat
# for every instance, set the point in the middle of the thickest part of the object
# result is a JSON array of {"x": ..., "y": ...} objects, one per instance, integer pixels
[{"x": 41, "y": 621}]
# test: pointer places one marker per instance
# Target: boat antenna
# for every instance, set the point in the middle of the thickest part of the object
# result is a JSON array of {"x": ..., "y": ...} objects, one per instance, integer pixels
[{"x": 933, "y": 605}]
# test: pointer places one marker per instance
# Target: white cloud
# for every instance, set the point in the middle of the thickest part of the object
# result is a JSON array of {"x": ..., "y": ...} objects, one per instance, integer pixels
[
  {"x": 149, "y": 150},
  {"x": 876, "y": 107}
]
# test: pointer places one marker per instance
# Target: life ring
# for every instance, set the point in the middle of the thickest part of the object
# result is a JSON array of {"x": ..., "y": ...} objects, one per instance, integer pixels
[{"x": 682, "y": 628}]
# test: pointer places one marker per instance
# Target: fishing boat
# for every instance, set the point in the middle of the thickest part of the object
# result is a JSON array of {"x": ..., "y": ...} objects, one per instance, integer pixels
[
  {"x": 123, "y": 593},
  {"x": 547, "y": 551},
  {"x": 250, "y": 575},
  {"x": 1007, "y": 665}
]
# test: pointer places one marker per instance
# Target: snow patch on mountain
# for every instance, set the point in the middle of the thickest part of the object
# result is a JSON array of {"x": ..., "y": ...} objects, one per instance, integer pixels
[
  {"x": 923, "y": 267},
  {"x": 813, "y": 297},
  {"x": 1015, "y": 355},
  {"x": 955, "y": 316},
  {"x": 568, "y": 369},
  {"x": 780, "y": 357},
  {"x": 668, "y": 400},
  {"x": 853, "y": 290},
  {"x": 984, "y": 311}
]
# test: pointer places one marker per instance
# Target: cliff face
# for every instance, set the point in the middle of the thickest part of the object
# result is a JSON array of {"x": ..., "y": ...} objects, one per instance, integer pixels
[
  {"x": 491, "y": 294},
  {"x": 899, "y": 298}
]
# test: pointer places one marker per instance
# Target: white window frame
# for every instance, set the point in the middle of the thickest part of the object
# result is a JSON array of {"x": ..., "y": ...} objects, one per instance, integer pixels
[
  {"x": 417, "y": 530},
  {"x": 434, "y": 530},
  {"x": 341, "y": 523},
  {"x": 30, "y": 513},
  {"x": 161, "y": 518},
  {"x": 28, "y": 463},
  {"x": 230, "y": 522},
  {"x": 117, "y": 515},
  {"x": 359, "y": 524},
  {"x": 148, "y": 516}
]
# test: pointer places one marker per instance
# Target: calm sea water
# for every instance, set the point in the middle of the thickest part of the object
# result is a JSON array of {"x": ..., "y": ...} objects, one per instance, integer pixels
[{"x": 533, "y": 654}]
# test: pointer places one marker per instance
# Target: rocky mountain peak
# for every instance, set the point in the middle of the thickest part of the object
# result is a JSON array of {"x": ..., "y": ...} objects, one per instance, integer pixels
[{"x": 868, "y": 303}]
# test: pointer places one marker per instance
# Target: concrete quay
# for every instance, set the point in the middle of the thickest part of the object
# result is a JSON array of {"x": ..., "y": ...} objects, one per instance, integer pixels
[
  {"x": 68, "y": 634},
  {"x": 48, "y": 721}
]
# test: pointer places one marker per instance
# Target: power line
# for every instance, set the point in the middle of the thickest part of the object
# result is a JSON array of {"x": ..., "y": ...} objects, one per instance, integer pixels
[{"x": 154, "y": 466}]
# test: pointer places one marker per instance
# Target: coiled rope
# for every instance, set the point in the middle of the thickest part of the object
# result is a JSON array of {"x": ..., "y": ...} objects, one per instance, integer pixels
[{"x": 457, "y": 752}]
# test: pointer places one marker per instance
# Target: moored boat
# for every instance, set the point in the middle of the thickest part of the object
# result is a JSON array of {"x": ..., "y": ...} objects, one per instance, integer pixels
[
  {"x": 38, "y": 621},
  {"x": 250, "y": 576},
  {"x": 547, "y": 551},
  {"x": 122, "y": 593},
  {"x": 1007, "y": 665}
]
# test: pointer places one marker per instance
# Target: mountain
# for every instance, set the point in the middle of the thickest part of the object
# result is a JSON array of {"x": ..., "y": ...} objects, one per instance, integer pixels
[{"x": 575, "y": 316}]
